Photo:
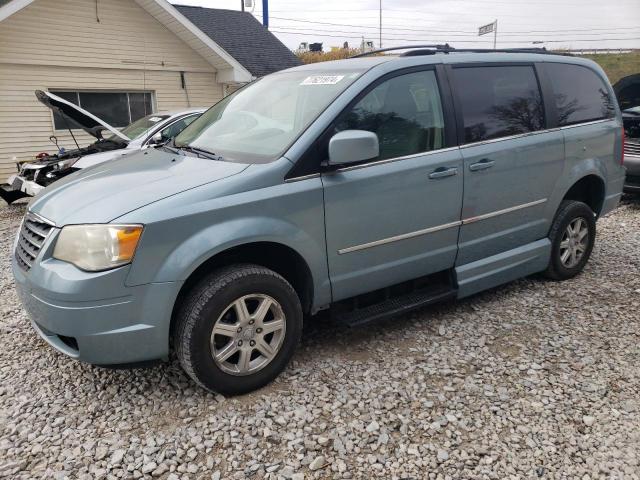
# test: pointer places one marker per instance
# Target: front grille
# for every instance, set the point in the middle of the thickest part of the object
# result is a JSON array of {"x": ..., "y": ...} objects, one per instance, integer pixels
[
  {"x": 33, "y": 233},
  {"x": 631, "y": 148}
]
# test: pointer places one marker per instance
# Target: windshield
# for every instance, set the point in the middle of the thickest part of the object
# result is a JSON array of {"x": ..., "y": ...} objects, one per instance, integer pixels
[
  {"x": 258, "y": 123},
  {"x": 139, "y": 127}
]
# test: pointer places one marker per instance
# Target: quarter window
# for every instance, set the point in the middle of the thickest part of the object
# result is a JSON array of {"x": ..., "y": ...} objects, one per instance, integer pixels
[
  {"x": 498, "y": 101},
  {"x": 404, "y": 111},
  {"x": 118, "y": 109},
  {"x": 580, "y": 95}
]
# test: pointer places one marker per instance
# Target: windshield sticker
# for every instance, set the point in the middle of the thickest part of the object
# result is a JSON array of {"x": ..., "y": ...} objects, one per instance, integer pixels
[
  {"x": 322, "y": 80},
  {"x": 155, "y": 119}
]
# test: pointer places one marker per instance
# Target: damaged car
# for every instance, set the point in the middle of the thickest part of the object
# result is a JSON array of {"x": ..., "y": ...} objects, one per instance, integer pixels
[
  {"x": 628, "y": 93},
  {"x": 149, "y": 131}
]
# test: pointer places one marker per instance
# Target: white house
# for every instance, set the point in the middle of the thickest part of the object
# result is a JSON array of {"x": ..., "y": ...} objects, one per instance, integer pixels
[{"x": 119, "y": 59}]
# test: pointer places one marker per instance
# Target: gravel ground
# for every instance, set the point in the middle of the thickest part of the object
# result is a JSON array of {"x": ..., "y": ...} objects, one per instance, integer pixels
[{"x": 535, "y": 379}]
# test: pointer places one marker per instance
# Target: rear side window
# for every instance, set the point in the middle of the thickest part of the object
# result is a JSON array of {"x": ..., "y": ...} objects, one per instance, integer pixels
[
  {"x": 404, "y": 111},
  {"x": 498, "y": 101},
  {"x": 580, "y": 94}
]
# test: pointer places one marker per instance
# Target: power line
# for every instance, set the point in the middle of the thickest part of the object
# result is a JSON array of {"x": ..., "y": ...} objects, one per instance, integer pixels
[
  {"x": 456, "y": 13},
  {"x": 466, "y": 41},
  {"x": 399, "y": 27},
  {"x": 427, "y": 31},
  {"x": 422, "y": 23}
]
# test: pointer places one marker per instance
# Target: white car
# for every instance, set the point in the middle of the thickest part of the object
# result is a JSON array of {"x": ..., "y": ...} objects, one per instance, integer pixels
[{"x": 152, "y": 130}]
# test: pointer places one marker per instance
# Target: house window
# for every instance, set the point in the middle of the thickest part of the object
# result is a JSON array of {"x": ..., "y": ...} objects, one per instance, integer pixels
[{"x": 118, "y": 109}]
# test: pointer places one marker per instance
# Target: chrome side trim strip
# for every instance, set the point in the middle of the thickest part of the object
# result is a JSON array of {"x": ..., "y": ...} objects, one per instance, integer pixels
[
  {"x": 397, "y": 238},
  {"x": 303, "y": 177},
  {"x": 537, "y": 132},
  {"x": 438, "y": 228},
  {"x": 502, "y": 212},
  {"x": 593, "y": 122},
  {"x": 503, "y": 139},
  {"x": 450, "y": 149},
  {"x": 397, "y": 159}
]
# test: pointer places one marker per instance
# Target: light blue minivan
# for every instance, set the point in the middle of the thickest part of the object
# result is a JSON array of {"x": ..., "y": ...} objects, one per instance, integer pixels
[{"x": 368, "y": 186}]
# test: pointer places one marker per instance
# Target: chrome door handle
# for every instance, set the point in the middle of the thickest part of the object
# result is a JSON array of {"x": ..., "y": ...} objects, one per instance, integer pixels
[
  {"x": 443, "y": 172},
  {"x": 481, "y": 165}
]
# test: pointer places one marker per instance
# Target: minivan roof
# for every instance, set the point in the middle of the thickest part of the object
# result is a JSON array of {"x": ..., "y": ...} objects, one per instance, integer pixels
[{"x": 366, "y": 63}]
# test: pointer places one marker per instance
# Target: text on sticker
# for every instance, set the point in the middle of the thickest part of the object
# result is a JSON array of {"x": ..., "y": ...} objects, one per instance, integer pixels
[{"x": 322, "y": 80}]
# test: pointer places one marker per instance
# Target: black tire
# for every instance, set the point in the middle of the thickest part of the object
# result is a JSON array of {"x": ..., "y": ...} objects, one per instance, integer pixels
[
  {"x": 205, "y": 304},
  {"x": 569, "y": 211}
]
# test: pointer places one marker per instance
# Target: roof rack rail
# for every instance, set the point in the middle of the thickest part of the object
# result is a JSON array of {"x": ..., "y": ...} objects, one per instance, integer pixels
[
  {"x": 415, "y": 50},
  {"x": 390, "y": 49}
]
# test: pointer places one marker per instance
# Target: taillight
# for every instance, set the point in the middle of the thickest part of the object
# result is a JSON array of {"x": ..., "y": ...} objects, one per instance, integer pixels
[{"x": 622, "y": 153}]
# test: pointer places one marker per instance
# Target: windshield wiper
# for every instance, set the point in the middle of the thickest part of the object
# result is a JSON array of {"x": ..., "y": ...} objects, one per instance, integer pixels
[
  {"x": 200, "y": 152},
  {"x": 165, "y": 147}
]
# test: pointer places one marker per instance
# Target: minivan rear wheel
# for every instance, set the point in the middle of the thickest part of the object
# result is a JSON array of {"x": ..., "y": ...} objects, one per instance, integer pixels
[
  {"x": 572, "y": 236},
  {"x": 238, "y": 329}
]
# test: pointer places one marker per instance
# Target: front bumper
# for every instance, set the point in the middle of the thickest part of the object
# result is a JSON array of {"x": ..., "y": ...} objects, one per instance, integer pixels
[
  {"x": 95, "y": 317},
  {"x": 18, "y": 187}
]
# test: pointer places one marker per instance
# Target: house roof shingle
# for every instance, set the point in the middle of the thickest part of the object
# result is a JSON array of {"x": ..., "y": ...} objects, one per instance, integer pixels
[{"x": 243, "y": 37}]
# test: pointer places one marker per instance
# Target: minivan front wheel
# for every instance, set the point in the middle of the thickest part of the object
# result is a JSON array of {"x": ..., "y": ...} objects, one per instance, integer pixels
[
  {"x": 572, "y": 236},
  {"x": 238, "y": 328}
]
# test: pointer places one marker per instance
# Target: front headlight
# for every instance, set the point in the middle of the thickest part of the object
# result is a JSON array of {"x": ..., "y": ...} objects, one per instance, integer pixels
[{"x": 97, "y": 247}]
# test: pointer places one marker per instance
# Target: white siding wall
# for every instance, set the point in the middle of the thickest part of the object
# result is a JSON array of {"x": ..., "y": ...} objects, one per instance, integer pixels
[{"x": 58, "y": 44}]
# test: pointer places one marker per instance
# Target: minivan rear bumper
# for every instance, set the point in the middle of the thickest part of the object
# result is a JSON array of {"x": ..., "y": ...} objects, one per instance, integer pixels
[{"x": 130, "y": 325}]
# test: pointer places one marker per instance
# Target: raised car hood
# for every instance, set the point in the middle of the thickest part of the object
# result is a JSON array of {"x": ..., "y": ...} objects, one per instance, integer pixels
[
  {"x": 107, "y": 191},
  {"x": 89, "y": 122}
]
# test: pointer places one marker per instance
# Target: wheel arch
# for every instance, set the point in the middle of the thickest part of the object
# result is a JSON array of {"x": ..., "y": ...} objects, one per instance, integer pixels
[
  {"x": 278, "y": 257},
  {"x": 589, "y": 189}
]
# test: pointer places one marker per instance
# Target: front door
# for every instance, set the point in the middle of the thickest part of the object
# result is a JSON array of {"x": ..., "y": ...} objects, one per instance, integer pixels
[
  {"x": 397, "y": 217},
  {"x": 511, "y": 164}
]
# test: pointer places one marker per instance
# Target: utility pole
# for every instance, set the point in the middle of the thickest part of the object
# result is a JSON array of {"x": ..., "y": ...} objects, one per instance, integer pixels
[
  {"x": 495, "y": 34},
  {"x": 265, "y": 13},
  {"x": 242, "y": 5},
  {"x": 380, "y": 24}
]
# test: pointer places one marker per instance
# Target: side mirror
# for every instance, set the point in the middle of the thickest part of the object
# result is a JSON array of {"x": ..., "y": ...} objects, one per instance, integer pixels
[
  {"x": 352, "y": 146},
  {"x": 157, "y": 139}
]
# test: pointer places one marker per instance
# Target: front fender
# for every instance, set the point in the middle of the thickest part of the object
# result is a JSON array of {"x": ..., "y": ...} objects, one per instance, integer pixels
[
  {"x": 233, "y": 233},
  {"x": 187, "y": 255}
]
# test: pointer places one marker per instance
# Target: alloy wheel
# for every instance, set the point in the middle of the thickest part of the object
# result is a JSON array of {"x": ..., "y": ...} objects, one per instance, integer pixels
[
  {"x": 574, "y": 243},
  {"x": 248, "y": 335}
]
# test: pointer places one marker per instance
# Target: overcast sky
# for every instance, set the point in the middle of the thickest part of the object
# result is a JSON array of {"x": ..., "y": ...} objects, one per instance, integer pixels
[{"x": 558, "y": 23}]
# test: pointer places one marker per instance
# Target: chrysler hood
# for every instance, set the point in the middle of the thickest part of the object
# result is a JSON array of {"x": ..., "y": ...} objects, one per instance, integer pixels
[
  {"x": 107, "y": 191},
  {"x": 87, "y": 121}
]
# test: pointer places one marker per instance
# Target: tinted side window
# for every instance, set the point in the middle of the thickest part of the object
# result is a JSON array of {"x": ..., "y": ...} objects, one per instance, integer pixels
[
  {"x": 580, "y": 95},
  {"x": 498, "y": 101},
  {"x": 404, "y": 111}
]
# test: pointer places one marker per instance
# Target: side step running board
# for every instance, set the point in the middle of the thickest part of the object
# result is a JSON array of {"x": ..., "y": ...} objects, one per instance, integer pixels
[{"x": 395, "y": 306}]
